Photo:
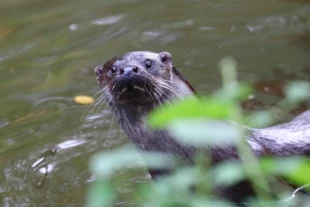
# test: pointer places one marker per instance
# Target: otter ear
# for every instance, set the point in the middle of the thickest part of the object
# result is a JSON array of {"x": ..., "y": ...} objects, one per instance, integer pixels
[
  {"x": 99, "y": 70},
  {"x": 99, "y": 73},
  {"x": 165, "y": 57}
]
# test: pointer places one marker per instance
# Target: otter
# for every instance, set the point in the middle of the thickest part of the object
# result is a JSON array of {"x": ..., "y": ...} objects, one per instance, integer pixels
[{"x": 138, "y": 82}]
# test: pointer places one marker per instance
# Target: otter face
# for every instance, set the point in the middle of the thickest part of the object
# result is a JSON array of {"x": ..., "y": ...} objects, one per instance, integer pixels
[{"x": 136, "y": 77}]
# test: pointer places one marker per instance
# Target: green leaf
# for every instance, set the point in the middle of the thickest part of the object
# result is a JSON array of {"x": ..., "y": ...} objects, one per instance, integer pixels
[
  {"x": 297, "y": 91},
  {"x": 235, "y": 92},
  {"x": 227, "y": 173},
  {"x": 274, "y": 165},
  {"x": 198, "y": 132},
  {"x": 301, "y": 175},
  {"x": 183, "y": 179},
  {"x": 192, "y": 107},
  {"x": 100, "y": 193},
  {"x": 295, "y": 169},
  {"x": 228, "y": 68},
  {"x": 106, "y": 164},
  {"x": 260, "y": 119}
]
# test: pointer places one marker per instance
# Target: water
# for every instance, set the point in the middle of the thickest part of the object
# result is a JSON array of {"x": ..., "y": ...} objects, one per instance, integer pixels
[{"x": 48, "y": 50}]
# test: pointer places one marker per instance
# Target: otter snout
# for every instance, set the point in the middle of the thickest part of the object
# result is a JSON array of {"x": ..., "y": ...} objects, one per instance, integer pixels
[{"x": 129, "y": 70}]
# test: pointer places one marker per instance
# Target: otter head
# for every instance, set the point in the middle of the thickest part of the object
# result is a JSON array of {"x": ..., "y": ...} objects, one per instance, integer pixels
[{"x": 141, "y": 78}]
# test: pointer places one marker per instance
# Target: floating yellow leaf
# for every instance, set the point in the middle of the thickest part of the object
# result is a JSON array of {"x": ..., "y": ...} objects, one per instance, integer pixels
[{"x": 84, "y": 99}]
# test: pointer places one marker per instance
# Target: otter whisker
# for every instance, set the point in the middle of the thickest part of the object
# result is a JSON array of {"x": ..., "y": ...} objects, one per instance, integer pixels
[
  {"x": 158, "y": 92},
  {"x": 91, "y": 105},
  {"x": 172, "y": 85},
  {"x": 98, "y": 102},
  {"x": 169, "y": 81},
  {"x": 169, "y": 89},
  {"x": 158, "y": 95},
  {"x": 167, "y": 85},
  {"x": 90, "y": 108},
  {"x": 108, "y": 97},
  {"x": 154, "y": 94},
  {"x": 101, "y": 104},
  {"x": 139, "y": 88},
  {"x": 123, "y": 90}
]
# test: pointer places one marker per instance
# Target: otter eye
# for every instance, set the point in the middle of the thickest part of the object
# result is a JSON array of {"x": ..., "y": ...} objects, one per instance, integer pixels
[
  {"x": 148, "y": 64},
  {"x": 113, "y": 69}
]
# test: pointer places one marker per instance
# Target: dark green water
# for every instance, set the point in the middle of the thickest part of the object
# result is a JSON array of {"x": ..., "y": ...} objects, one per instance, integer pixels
[{"x": 48, "y": 50}]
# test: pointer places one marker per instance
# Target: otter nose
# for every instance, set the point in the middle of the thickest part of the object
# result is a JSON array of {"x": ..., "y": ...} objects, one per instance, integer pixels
[{"x": 129, "y": 70}]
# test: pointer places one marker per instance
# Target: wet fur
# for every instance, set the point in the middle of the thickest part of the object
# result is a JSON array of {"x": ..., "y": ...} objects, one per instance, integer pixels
[{"x": 166, "y": 84}]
